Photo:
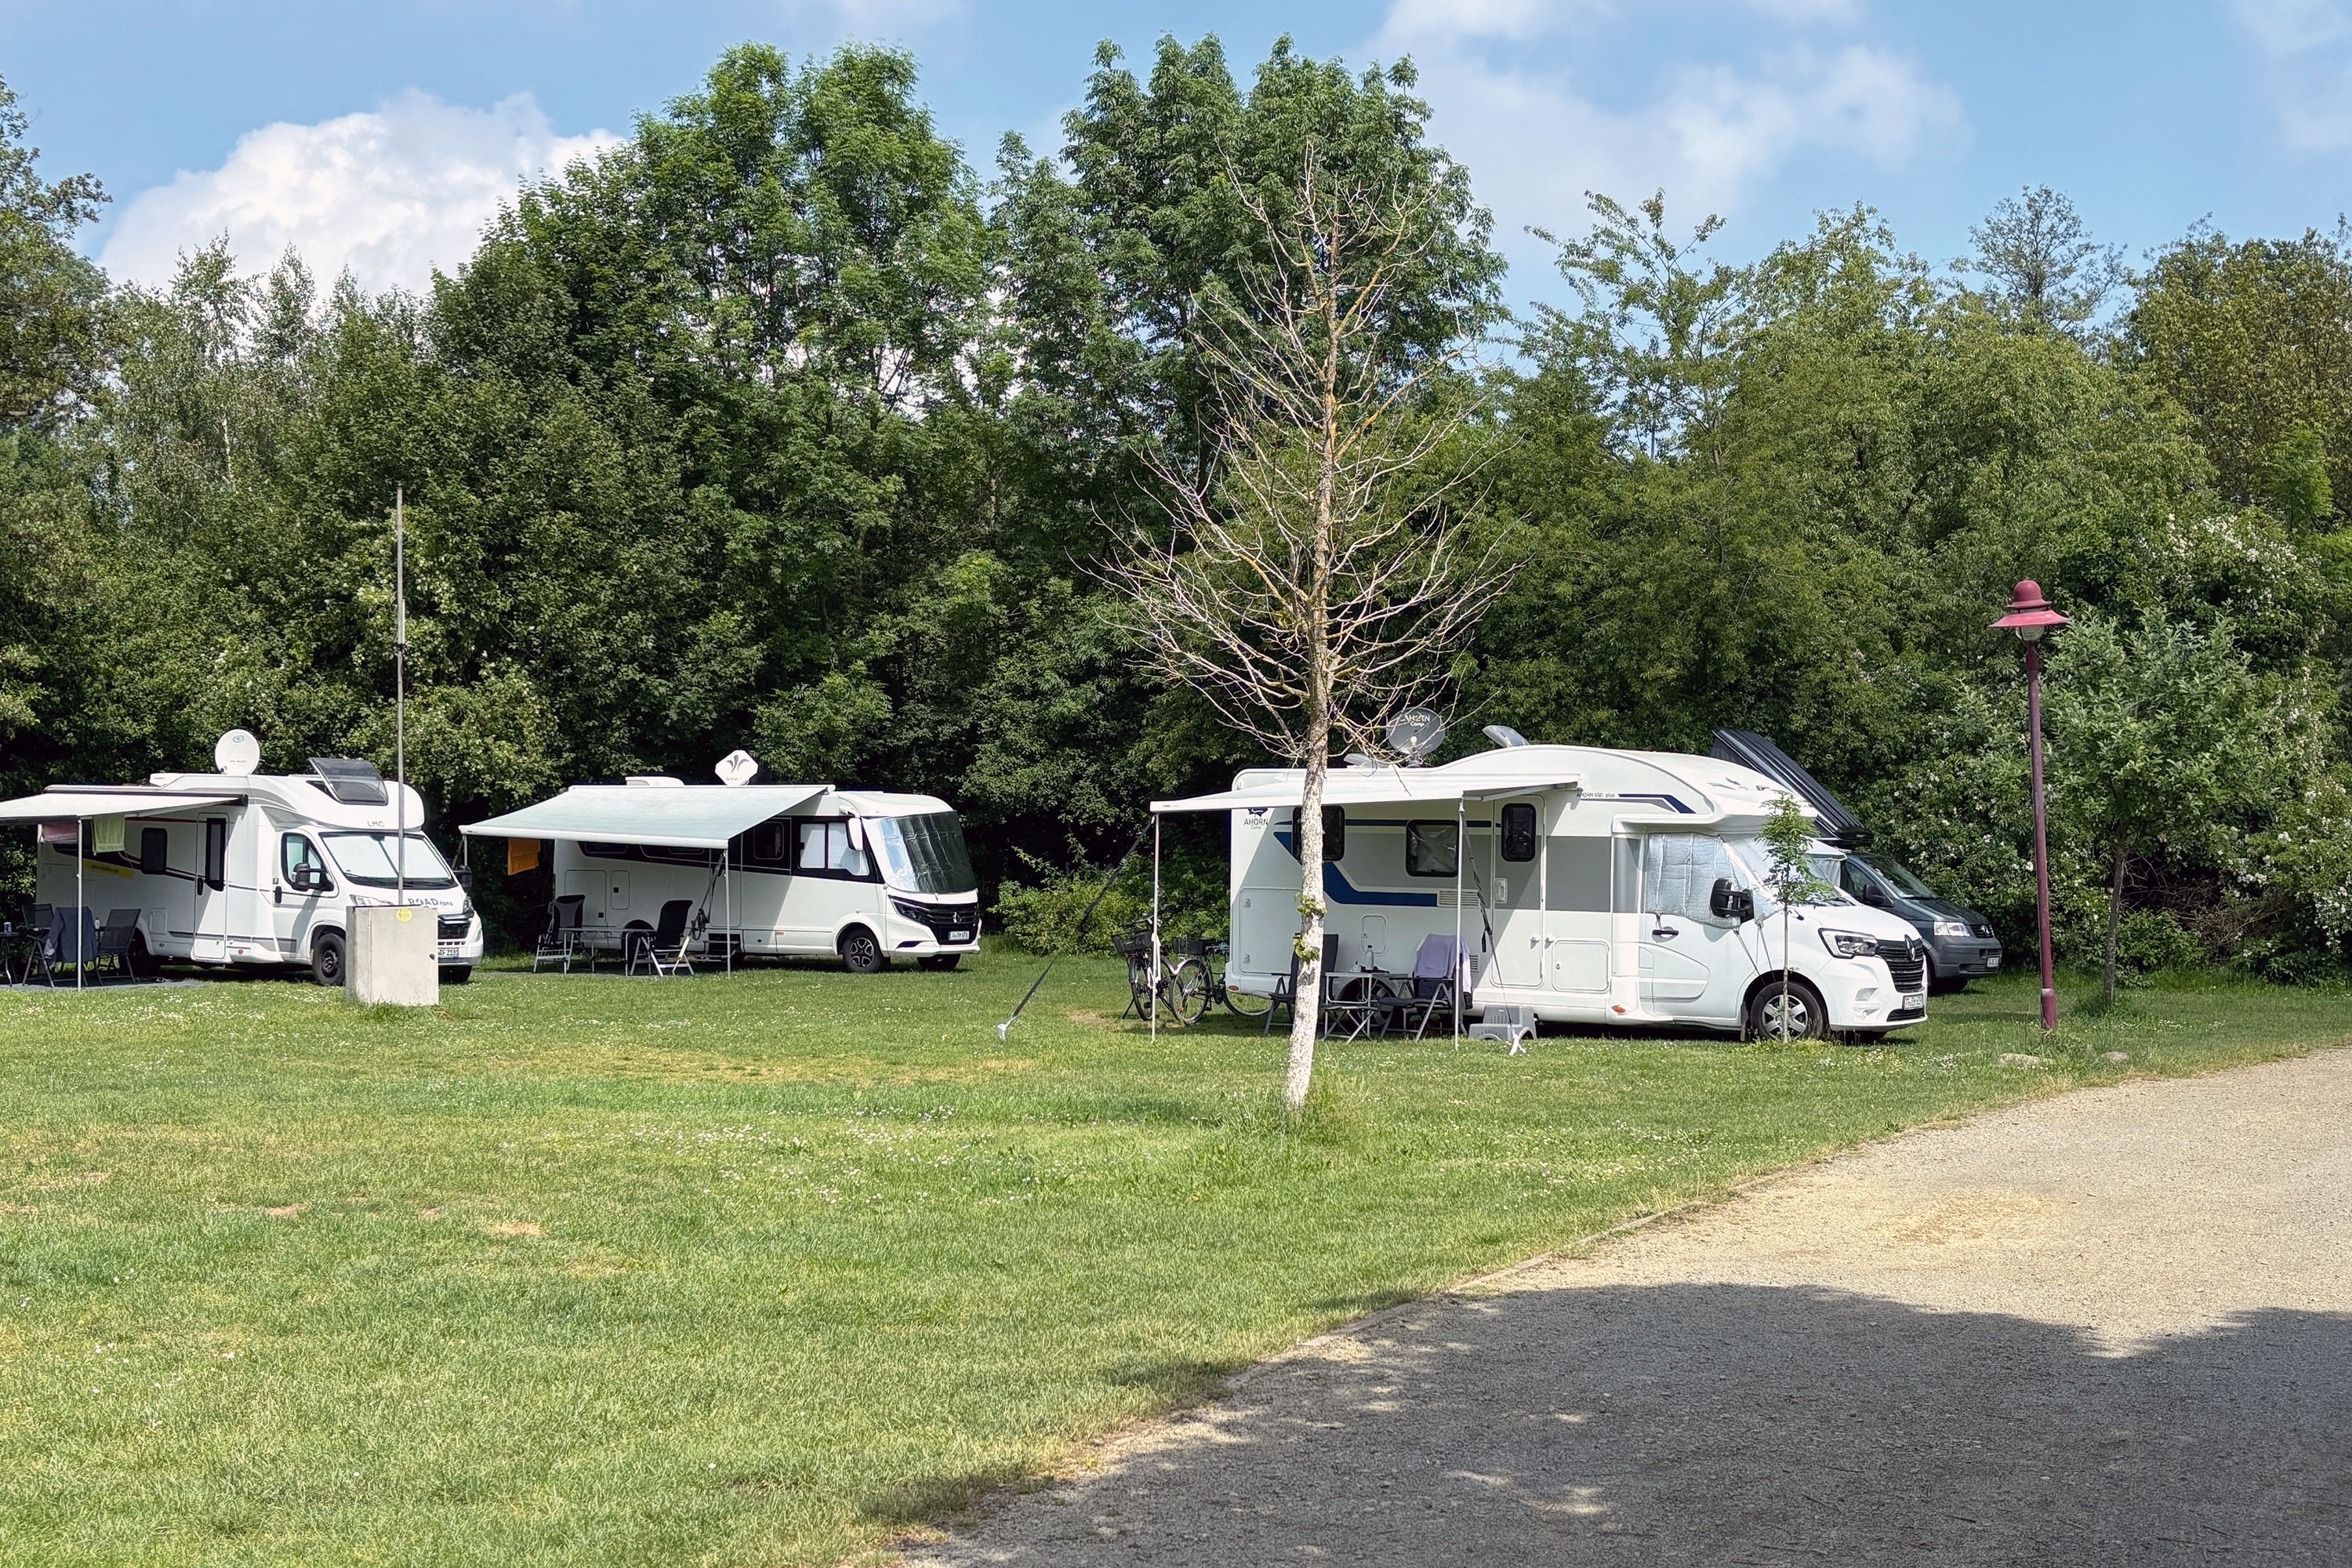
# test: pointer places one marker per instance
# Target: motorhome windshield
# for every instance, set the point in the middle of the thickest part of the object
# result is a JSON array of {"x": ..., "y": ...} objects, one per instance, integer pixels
[
  {"x": 924, "y": 854},
  {"x": 1754, "y": 857},
  {"x": 1897, "y": 876},
  {"x": 367, "y": 859}
]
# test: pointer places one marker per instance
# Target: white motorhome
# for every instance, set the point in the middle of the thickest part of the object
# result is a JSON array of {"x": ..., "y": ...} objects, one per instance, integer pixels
[
  {"x": 240, "y": 868},
  {"x": 770, "y": 869},
  {"x": 1598, "y": 886}
]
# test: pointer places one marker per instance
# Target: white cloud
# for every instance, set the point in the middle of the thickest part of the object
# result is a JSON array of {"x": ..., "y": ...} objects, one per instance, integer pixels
[
  {"x": 390, "y": 195},
  {"x": 1708, "y": 134},
  {"x": 2307, "y": 46}
]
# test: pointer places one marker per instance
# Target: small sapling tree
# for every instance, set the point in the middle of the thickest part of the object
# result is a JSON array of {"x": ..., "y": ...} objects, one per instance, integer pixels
[{"x": 1788, "y": 833}]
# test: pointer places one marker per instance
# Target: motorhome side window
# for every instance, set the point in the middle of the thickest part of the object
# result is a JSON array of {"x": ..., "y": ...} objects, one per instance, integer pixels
[
  {"x": 155, "y": 851},
  {"x": 1430, "y": 849},
  {"x": 217, "y": 852},
  {"x": 1679, "y": 871},
  {"x": 770, "y": 844},
  {"x": 299, "y": 862},
  {"x": 1519, "y": 831},
  {"x": 1335, "y": 832},
  {"x": 825, "y": 850}
]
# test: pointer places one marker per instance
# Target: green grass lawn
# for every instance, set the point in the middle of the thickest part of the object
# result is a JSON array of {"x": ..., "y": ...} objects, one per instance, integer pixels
[{"x": 765, "y": 1269}]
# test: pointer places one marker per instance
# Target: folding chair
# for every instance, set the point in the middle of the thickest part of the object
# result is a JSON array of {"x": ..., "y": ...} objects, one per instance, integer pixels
[
  {"x": 73, "y": 939},
  {"x": 1286, "y": 994},
  {"x": 1435, "y": 987},
  {"x": 41, "y": 943},
  {"x": 663, "y": 949},
  {"x": 115, "y": 937},
  {"x": 559, "y": 942}
]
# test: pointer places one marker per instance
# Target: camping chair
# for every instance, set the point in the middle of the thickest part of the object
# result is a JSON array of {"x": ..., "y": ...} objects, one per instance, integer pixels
[
  {"x": 73, "y": 939},
  {"x": 1286, "y": 993},
  {"x": 663, "y": 948},
  {"x": 561, "y": 942},
  {"x": 40, "y": 943},
  {"x": 1434, "y": 986},
  {"x": 115, "y": 938}
]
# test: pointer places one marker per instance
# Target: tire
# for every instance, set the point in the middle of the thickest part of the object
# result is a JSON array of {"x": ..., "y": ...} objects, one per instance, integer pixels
[
  {"x": 327, "y": 960},
  {"x": 456, "y": 973},
  {"x": 939, "y": 962},
  {"x": 1809, "y": 1019},
  {"x": 1245, "y": 1004},
  {"x": 1943, "y": 986},
  {"x": 861, "y": 951},
  {"x": 143, "y": 964},
  {"x": 1864, "y": 1036},
  {"x": 1188, "y": 991}
]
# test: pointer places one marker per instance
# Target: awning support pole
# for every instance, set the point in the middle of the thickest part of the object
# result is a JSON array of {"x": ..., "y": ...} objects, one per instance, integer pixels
[
  {"x": 1155, "y": 926},
  {"x": 81, "y": 903},
  {"x": 727, "y": 875},
  {"x": 1461, "y": 853}
]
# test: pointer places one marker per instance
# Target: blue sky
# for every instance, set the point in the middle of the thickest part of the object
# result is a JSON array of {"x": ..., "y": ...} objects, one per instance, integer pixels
[{"x": 379, "y": 136}]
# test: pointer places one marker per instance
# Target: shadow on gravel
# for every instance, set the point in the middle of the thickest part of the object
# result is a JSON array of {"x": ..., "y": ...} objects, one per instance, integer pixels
[{"x": 1719, "y": 1423}]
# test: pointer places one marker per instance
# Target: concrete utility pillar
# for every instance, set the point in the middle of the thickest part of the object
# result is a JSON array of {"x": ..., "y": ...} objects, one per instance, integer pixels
[{"x": 391, "y": 957}]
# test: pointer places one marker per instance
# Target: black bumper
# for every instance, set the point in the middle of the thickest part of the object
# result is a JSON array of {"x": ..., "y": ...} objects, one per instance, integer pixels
[{"x": 1964, "y": 958}]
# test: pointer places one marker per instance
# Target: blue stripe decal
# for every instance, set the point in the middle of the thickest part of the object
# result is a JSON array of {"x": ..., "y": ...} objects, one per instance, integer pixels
[{"x": 1339, "y": 891}]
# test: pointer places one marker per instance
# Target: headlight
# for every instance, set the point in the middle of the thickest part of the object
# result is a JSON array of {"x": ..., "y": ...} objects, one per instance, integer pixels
[
  {"x": 922, "y": 914},
  {"x": 1850, "y": 944},
  {"x": 1951, "y": 928}
]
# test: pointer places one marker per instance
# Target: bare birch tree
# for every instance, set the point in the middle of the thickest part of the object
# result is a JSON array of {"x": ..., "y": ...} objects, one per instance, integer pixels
[{"x": 1319, "y": 575}]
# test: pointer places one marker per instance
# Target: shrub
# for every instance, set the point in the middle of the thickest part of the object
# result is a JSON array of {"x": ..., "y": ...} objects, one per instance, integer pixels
[{"x": 1045, "y": 917}]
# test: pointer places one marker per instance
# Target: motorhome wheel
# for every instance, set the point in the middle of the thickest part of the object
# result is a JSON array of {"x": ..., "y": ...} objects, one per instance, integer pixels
[
  {"x": 456, "y": 973},
  {"x": 940, "y": 961},
  {"x": 327, "y": 958},
  {"x": 861, "y": 953},
  {"x": 1807, "y": 1018},
  {"x": 144, "y": 965}
]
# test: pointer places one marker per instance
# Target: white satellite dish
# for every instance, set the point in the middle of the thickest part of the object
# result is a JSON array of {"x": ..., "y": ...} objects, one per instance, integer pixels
[
  {"x": 738, "y": 767},
  {"x": 1414, "y": 733},
  {"x": 237, "y": 753}
]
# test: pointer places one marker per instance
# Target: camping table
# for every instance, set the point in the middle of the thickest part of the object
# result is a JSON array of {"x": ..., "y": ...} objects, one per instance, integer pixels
[{"x": 1362, "y": 992}]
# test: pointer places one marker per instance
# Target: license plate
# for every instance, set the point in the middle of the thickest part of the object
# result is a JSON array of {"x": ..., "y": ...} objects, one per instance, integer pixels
[
  {"x": 959, "y": 936},
  {"x": 1910, "y": 999}
]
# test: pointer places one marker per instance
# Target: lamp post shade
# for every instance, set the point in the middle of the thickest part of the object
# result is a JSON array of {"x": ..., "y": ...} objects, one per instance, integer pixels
[{"x": 2029, "y": 615}]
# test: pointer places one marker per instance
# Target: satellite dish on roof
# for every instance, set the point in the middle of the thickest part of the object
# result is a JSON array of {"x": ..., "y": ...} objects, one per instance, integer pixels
[
  {"x": 737, "y": 767},
  {"x": 1414, "y": 733},
  {"x": 237, "y": 753}
]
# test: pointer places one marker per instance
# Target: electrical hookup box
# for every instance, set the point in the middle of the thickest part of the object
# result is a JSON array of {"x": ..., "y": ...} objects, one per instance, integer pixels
[{"x": 393, "y": 957}]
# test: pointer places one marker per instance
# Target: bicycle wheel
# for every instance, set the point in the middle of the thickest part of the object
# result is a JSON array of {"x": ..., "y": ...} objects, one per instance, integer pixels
[
  {"x": 1242, "y": 1004},
  {"x": 1188, "y": 991}
]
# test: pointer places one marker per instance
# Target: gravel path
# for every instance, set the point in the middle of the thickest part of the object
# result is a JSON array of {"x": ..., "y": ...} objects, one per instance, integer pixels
[{"x": 2113, "y": 1327}]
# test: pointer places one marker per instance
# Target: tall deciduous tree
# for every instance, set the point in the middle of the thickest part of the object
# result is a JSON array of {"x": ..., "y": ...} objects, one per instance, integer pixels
[{"x": 1319, "y": 573}]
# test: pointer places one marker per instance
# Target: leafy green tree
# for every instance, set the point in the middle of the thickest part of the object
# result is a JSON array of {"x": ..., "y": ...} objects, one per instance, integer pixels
[
  {"x": 2043, "y": 267},
  {"x": 2165, "y": 742}
]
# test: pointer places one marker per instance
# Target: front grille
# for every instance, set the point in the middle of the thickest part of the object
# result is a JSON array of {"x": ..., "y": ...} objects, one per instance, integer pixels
[
  {"x": 1906, "y": 964},
  {"x": 1980, "y": 930},
  {"x": 452, "y": 930},
  {"x": 943, "y": 918}
]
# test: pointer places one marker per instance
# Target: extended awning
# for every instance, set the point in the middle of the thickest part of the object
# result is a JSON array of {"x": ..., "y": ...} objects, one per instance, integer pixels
[
  {"x": 69, "y": 803},
  {"x": 1371, "y": 786},
  {"x": 690, "y": 816}
]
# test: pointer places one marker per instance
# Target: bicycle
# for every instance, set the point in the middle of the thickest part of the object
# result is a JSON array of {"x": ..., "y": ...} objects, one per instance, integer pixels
[
  {"x": 1181, "y": 986},
  {"x": 1241, "y": 1004}
]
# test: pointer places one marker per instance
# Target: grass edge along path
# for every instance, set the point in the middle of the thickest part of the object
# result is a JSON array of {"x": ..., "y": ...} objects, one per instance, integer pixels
[{"x": 775, "y": 1268}]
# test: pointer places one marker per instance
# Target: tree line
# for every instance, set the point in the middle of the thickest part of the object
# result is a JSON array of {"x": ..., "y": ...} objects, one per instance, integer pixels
[{"x": 783, "y": 425}]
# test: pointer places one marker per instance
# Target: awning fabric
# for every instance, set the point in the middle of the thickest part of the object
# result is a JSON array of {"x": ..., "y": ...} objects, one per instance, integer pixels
[
  {"x": 66, "y": 804},
  {"x": 1371, "y": 786},
  {"x": 694, "y": 817}
]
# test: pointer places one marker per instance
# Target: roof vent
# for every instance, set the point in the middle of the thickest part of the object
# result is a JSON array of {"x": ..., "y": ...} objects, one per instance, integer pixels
[
  {"x": 1504, "y": 736},
  {"x": 652, "y": 780},
  {"x": 350, "y": 780}
]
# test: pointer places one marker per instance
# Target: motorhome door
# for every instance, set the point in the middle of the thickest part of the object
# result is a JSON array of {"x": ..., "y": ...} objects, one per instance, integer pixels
[
  {"x": 211, "y": 891},
  {"x": 1695, "y": 964},
  {"x": 1519, "y": 914},
  {"x": 299, "y": 884},
  {"x": 1576, "y": 900}
]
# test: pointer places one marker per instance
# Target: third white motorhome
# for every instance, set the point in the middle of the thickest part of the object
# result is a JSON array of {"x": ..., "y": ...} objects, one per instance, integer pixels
[{"x": 1587, "y": 884}]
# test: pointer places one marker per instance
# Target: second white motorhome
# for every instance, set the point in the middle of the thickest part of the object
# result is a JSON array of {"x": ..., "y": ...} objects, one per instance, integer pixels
[
  {"x": 865, "y": 875},
  {"x": 1586, "y": 884}
]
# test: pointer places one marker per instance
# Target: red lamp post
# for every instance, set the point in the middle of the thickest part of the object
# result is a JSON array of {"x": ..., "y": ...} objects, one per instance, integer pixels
[{"x": 2032, "y": 618}]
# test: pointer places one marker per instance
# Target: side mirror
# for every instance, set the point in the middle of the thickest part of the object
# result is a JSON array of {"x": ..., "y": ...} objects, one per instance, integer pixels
[
  {"x": 1875, "y": 897},
  {"x": 857, "y": 834},
  {"x": 1724, "y": 901},
  {"x": 466, "y": 878},
  {"x": 1747, "y": 903}
]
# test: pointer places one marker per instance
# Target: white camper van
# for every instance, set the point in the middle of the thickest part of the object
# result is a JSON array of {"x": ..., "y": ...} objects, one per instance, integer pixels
[
  {"x": 242, "y": 868},
  {"x": 1588, "y": 884},
  {"x": 777, "y": 869}
]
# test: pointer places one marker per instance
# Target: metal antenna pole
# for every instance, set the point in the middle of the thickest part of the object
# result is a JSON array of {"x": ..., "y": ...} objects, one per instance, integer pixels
[
  {"x": 400, "y": 694},
  {"x": 2041, "y": 836}
]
